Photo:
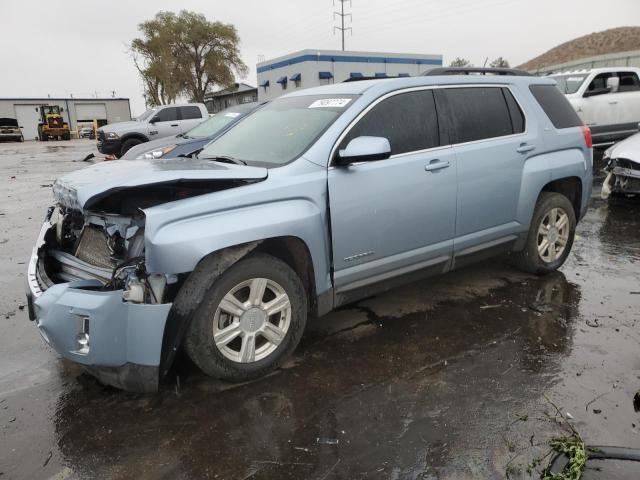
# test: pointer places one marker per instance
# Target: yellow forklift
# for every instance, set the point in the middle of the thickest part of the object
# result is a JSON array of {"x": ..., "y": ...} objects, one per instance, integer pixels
[{"x": 52, "y": 124}]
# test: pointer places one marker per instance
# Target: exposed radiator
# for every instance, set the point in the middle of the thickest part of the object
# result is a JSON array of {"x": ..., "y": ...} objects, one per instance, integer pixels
[{"x": 93, "y": 248}]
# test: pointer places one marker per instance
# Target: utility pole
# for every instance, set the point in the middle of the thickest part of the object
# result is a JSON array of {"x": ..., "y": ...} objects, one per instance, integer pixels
[{"x": 342, "y": 16}]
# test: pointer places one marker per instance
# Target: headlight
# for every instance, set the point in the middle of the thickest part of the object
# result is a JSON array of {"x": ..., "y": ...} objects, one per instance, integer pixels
[
  {"x": 607, "y": 152},
  {"x": 112, "y": 136},
  {"x": 161, "y": 152}
]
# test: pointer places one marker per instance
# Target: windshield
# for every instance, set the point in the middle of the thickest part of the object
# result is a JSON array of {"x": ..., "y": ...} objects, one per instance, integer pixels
[
  {"x": 280, "y": 131},
  {"x": 147, "y": 114},
  {"x": 569, "y": 83},
  {"x": 214, "y": 124}
]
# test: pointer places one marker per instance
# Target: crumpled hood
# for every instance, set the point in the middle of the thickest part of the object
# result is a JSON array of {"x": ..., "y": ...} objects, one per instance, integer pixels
[
  {"x": 84, "y": 187},
  {"x": 628, "y": 149}
]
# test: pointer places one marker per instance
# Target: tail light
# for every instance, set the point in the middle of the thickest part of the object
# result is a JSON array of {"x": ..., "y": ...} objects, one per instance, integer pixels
[{"x": 586, "y": 131}]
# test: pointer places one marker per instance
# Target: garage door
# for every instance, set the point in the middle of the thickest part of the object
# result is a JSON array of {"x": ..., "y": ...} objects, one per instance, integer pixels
[
  {"x": 87, "y": 112},
  {"x": 28, "y": 118}
]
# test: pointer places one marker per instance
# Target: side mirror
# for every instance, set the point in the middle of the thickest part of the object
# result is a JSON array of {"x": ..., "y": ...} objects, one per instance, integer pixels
[
  {"x": 61, "y": 109},
  {"x": 20, "y": 126},
  {"x": 364, "y": 149},
  {"x": 597, "y": 91},
  {"x": 613, "y": 84}
]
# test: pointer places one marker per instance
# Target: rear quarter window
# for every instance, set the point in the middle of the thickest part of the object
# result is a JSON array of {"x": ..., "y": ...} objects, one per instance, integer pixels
[{"x": 556, "y": 106}]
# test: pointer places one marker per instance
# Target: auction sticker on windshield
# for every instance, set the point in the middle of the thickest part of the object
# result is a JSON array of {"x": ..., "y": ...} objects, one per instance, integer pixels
[{"x": 330, "y": 103}]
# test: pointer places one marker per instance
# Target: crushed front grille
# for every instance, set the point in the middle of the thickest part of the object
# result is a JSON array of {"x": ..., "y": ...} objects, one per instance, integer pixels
[{"x": 93, "y": 248}]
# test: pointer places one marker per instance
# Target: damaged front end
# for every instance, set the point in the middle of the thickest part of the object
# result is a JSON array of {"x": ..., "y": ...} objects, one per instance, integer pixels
[
  {"x": 94, "y": 301},
  {"x": 89, "y": 289},
  {"x": 623, "y": 178}
]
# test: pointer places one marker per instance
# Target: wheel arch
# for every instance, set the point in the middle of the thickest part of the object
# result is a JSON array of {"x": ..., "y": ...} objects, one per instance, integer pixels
[
  {"x": 570, "y": 187},
  {"x": 290, "y": 249},
  {"x": 134, "y": 135}
]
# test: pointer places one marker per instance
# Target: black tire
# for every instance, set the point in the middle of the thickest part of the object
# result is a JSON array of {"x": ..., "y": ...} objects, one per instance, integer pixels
[
  {"x": 67, "y": 136},
  {"x": 529, "y": 259},
  {"x": 127, "y": 145},
  {"x": 42, "y": 137},
  {"x": 199, "y": 342}
]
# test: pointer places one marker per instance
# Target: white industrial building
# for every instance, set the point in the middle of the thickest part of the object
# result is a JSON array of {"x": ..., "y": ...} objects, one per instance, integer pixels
[
  {"x": 75, "y": 111},
  {"x": 311, "y": 68}
]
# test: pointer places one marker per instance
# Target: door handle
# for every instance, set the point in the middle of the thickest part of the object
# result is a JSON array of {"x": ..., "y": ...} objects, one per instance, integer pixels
[
  {"x": 613, "y": 102},
  {"x": 525, "y": 147},
  {"x": 437, "y": 165},
  {"x": 175, "y": 125}
]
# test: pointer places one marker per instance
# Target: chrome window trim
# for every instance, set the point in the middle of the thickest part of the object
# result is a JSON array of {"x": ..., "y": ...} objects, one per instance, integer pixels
[{"x": 440, "y": 147}]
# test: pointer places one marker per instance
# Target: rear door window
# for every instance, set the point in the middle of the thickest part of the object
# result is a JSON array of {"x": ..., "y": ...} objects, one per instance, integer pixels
[
  {"x": 169, "y": 114},
  {"x": 408, "y": 120},
  {"x": 556, "y": 106},
  {"x": 479, "y": 113},
  {"x": 628, "y": 82},
  {"x": 190, "y": 112}
]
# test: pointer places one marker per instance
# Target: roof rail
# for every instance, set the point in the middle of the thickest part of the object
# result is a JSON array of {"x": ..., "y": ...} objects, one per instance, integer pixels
[
  {"x": 359, "y": 79},
  {"x": 475, "y": 71}
]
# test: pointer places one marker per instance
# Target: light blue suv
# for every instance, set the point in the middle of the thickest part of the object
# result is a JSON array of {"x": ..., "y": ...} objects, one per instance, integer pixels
[{"x": 320, "y": 198}]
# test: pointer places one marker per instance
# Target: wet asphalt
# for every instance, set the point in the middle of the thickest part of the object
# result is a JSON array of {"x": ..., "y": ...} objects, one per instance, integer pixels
[{"x": 456, "y": 377}]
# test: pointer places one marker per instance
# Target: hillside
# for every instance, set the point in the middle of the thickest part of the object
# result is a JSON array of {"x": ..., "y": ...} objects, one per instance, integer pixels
[{"x": 614, "y": 40}]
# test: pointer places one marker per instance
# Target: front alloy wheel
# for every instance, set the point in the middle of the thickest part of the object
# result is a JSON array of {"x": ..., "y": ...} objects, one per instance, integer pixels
[{"x": 250, "y": 320}]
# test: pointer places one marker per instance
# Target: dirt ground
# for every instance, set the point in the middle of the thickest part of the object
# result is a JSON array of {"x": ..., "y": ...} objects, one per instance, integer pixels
[{"x": 451, "y": 378}]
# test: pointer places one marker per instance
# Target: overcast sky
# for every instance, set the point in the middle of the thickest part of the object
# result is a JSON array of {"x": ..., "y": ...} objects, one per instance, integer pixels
[{"x": 59, "y": 47}]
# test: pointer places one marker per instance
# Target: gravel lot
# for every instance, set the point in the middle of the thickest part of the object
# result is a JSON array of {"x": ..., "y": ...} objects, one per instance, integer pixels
[{"x": 451, "y": 378}]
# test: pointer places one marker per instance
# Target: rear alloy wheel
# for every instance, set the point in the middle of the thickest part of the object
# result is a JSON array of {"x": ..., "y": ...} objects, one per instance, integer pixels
[
  {"x": 250, "y": 320},
  {"x": 553, "y": 235},
  {"x": 550, "y": 236}
]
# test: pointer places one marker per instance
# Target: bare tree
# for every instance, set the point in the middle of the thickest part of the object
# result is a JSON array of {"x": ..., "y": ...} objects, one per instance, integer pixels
[
  {"x": 499, "y": 63},
  {"x": 460, "y": 62}
]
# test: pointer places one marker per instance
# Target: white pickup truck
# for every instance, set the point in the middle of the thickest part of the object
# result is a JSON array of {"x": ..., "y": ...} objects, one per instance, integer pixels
[
  {"x": 606, "y": 99},
  {"x": 157, "y": 122}
]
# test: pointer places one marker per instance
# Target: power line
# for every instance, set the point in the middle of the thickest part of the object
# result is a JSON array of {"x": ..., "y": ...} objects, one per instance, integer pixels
[{"x": 342, "y": 16}]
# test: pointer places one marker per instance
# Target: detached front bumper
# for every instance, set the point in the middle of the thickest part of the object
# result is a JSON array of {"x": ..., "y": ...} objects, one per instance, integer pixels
[{"x": 118, "y": 342}]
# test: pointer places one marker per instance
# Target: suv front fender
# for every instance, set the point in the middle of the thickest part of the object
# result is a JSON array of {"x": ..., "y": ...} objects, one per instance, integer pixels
[{"x": 178, "y": 246}]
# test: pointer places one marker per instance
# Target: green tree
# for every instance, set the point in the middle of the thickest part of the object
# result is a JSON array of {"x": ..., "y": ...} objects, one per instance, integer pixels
[
  {"x": 460, "y": 62},
  {"x": 186, "y": 55},
  {"x": 499, "y": 63}
]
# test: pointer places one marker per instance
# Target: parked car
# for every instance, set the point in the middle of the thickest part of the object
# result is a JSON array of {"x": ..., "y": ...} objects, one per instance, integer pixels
[
  {"x": 87, "y": 132},
  {"x": 606, "y": 99},
  {"x": 319, "y": 198},
  {"x": 158, "y": 122},
  {"x": 623, "y": 169},
  {"x": 186, "y": 144},
  {"x": 10, "y": 130}
]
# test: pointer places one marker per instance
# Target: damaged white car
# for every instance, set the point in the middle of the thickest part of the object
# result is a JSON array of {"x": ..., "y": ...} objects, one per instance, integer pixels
[{"x": 623, "y": 169}]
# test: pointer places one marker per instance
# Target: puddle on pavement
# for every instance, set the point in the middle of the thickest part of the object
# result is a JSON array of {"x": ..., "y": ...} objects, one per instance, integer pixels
[{"x": 401, "y": 397}]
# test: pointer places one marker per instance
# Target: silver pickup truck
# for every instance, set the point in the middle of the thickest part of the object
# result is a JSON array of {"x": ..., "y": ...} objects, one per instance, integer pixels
[
  {"x": 319, "y": 198},
  {"x": 157, "y": 122}
]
